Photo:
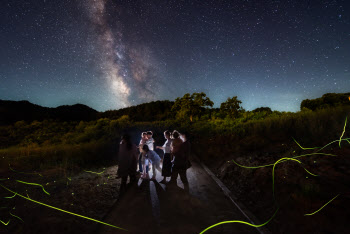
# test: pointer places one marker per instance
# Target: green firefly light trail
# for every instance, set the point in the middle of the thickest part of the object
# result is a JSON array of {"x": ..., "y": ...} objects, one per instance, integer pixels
[
  {"x": 310, "y": 172},
  {"x": 4, "y": 222},
  {"x": 340, "y": 139},
  {"x": 343, "y": 131},
  {"x": 273, "y": 171},
  {"x": 322, "y": 206},
  {"x": 12, "y": 196},
  {"x": 16, "y": 217},
  {"x": 34, "y": 184},
  {"x": 274, "y": 165},
  {"x": 98, "y": 173},
  {"x": 239, "y": 221},
  {"x": 303, "y": 147},
  {"x": 65, "y": 211},
  {"x": 24, "y": 172},
  {"x": 304, "y": 155},
  {"x": 346, "y": 139},
  {"x": 269, "y": 165}
]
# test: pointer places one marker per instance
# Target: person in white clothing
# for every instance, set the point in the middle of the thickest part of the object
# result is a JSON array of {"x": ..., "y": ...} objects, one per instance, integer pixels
[{"x": 150, "y": 140}]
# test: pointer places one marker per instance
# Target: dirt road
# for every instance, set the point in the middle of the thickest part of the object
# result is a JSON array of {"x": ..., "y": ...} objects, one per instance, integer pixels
[{"x": 152, "y": 207}]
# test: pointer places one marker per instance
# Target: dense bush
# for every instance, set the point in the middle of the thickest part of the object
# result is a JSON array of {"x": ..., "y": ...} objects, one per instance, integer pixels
[{"x": 326, "y": 101}]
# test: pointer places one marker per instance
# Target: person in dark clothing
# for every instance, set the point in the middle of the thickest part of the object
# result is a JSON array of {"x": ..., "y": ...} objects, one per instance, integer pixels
[
  {"x": 127, "y": 161},
  {"x": 186, "y": 148},
  {"x": 166, "y": 169},
  {"x": 181, "y": 162}
]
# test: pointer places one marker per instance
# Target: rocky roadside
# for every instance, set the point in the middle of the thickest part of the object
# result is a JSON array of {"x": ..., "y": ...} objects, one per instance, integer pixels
[{"x": 297, "y": 193}]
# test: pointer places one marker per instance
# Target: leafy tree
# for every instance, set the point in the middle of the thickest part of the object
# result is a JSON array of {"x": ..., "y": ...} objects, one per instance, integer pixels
[
  {"x": 263, "y": 109},
  {"x": 327, "y": 100},
  {"x": 231, "y": 108},
  {"x": 190, "y": 106}
]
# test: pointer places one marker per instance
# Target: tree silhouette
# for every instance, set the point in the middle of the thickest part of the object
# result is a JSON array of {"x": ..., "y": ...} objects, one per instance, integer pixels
[
  {"x": 262, "y": 109},
  {"x": 231, "y": 108},
  {"x": 327, "y": 100},
  {"x": 190, "y": 106}
]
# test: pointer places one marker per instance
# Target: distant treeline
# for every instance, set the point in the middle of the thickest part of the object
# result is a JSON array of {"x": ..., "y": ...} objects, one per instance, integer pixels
[
  {"x": 326, "y": 101},
  {"x": 147, "y": 112},
  {"x": 190, "y": 107}
]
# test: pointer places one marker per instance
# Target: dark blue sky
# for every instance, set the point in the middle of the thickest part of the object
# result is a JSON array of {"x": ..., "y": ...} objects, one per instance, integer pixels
[{"x": 110, "y": 54}]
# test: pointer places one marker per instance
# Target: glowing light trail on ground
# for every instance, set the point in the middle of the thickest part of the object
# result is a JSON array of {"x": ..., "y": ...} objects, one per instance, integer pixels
[
  {"x": 239, "y": 221},
  {"x": 55, "y": 208},
  {"x": 35, "y": 185},
  {"x": 16, "y": 217},
  {"x": 303, "y": 147},
  {"x": 322, "y": 206},
  {"x": 343, "y": 132},
  {"x": 98, "y": 173},
  {"x": 4, "y": 222}
]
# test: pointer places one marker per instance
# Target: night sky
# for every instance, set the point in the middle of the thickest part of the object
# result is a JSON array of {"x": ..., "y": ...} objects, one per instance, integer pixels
[{"x": 112, "y": 54}]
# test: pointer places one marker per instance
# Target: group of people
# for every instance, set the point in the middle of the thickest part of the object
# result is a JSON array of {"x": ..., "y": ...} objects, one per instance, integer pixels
[{"x": 175, "y": 162}]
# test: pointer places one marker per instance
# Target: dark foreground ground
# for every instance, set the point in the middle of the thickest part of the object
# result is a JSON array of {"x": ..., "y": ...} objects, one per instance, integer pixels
[
  {"x": 152, "y": 207},
  {"x": 146, "y": 207},
  {"x": 88, "y": 194},
  {"x": 296, "y": 192}
]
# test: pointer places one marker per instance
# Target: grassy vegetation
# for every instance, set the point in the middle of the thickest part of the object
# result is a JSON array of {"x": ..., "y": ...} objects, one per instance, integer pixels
[
  {"x": 217, "y": 138},
  {"x": 49, "y": 144}
]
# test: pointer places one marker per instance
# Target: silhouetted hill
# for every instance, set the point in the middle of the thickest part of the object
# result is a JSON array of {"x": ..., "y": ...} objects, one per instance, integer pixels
[
  {"x": 327, "y": 100},
  {"x": 13, "y": 111},
  {"x": 152, "y": 111},
  {"x": 75, "y": 112}
]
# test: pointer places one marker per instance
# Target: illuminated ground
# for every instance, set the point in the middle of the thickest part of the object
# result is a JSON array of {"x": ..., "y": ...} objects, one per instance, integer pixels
[{"x": 152, "y": 207}]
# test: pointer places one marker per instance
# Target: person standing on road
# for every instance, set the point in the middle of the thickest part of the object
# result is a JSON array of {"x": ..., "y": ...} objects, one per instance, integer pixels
[
  {"x": 166, "y": 169},
  {"x": 175, "y": 144},
  {"x": 141, "y": 158},
  {"x": 127, "y": 161},
  {"x": 155, "y": 160},
  {"x": 150, "y": 143},
  {"x": 186, "y": 149},
  {"x": 150, "y": 140},
  {"x": 181, "y": 153}
]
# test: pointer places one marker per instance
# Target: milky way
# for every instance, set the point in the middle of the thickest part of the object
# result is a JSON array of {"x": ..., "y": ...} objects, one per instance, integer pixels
[
  {"x": 129, "y": 70},
  {"x": 107, "y": 43}
]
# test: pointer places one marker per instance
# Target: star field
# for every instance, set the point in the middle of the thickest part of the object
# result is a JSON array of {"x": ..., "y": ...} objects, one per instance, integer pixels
[{"x": 111, "y": 54}]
